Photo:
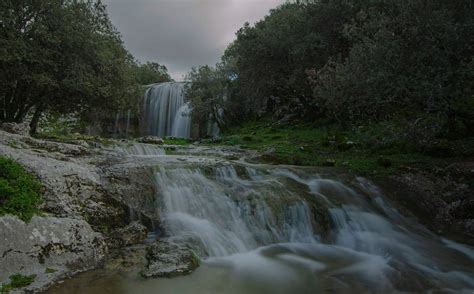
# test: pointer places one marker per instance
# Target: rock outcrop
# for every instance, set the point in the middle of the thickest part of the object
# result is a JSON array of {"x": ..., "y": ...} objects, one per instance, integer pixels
[
  {"x": 87, "y": 196},
  {"x": 48, "y": 247},
  {"x": 15, "y": 128},
  {"x": 166, "y": 259}
]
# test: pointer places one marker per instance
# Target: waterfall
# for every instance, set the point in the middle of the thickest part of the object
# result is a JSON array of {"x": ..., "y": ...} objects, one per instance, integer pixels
[
  {"x": 224, "y": 214},
  {"x": 165, "y": 111},
  {"x": 265, "y": 223},
  {"x": 282, "y": 229},
  {"x": 182, "y": 122}
]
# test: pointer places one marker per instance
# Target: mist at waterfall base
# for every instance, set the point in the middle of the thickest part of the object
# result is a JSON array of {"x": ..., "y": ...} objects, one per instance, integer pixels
[{"x": 280, "y": 229}]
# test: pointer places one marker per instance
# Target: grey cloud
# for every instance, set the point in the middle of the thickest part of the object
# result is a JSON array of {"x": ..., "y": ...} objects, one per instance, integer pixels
[{"x": 183, "y": 33}]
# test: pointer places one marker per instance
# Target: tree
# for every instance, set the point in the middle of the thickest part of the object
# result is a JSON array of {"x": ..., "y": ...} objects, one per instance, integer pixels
[
  {"x": 206, "y": 92},
  {"x": 151, "y": 73},
  {"x": 408, "y": 58},
  {"x": 61, "y": 55}
]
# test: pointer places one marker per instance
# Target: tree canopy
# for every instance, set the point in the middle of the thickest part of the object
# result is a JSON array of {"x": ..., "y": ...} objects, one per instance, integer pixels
[
  {"x": 64, "y": 56},
  {"x": 354, "y": 60}
]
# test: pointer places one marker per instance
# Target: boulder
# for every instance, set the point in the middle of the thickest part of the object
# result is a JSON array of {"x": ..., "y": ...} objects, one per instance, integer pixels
[
  {"x": 151, "y": 140},
  {"x": 134, "y": 233},
  {"x": 166, "y": 259},
  {"x": 50, "y": 248},
  {"x": 22, "y": 129}
]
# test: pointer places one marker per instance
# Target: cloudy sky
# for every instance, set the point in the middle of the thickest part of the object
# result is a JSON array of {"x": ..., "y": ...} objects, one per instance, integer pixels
[{"x": 183, "y": 33}]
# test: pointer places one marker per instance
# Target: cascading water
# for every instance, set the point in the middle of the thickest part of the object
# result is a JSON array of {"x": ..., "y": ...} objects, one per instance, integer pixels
[
  {"x": 270, "y": 229},
  {"x": 165, "y": 112}
]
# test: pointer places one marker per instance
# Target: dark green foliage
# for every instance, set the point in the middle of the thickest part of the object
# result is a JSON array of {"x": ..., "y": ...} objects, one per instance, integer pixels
[
  {"x": 409, "y": 57},
  {"x": 66, "y": 56},
  {"x": 357, "y": 62},
  {"x": 206, "y": 91},
  {"x": 17, "y": 281},
  {"x": 151, "y": 73},
  {"x": 19, "y": 190}
]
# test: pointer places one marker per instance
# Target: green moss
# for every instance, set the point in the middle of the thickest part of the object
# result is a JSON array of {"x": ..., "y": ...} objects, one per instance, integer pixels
[
  {"x": 196, "y": 261},
  {"x": 19, "y": 191},
  {"x": 17, "y": 281},
  {"x": 50, "y": 270}
]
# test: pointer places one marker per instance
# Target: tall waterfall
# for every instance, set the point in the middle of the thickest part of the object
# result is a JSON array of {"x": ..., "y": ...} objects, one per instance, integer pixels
[{"x": 165, "y": 111}]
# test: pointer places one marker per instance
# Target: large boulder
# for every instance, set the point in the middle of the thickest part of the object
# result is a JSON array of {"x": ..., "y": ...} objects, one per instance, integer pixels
[
  {"x": 22, "y": 129},
  {"x": 50, "y": 248},
  {"x": 166, "y": 259}
]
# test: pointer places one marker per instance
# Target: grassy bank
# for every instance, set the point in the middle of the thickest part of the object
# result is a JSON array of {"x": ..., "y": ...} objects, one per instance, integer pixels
[
  {"x": 372, "y": 149},
  {"x": 19, "y": 190}
]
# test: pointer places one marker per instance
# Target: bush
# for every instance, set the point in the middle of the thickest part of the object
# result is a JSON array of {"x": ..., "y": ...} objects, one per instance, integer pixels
[{"x": 19, "y": 190}]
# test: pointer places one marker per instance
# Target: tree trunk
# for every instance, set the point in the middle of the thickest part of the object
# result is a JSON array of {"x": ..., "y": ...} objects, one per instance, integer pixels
[{"x": 35, "y": 119}]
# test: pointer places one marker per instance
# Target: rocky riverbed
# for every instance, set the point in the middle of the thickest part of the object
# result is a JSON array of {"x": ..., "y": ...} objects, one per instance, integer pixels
[{"x": 101, "y": 210}]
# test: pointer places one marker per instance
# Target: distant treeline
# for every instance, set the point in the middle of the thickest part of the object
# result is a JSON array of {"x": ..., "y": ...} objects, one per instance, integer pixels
[
  {"x": 65, "y": 56},
  {"x": 348, "y": 62}
]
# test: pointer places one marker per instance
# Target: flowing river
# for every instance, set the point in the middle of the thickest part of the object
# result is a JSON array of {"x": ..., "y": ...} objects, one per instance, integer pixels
[{"x": 284, "y": 229}]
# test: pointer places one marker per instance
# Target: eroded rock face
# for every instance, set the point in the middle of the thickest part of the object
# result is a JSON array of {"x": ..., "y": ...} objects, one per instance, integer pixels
[
  {"x": 441, "y": 203},
  {"x": 134, "y": 233},
  {"x": 50, "y": 248},
  {"x": 15, "y": 128},
  {"x": 166, "y": 259}
]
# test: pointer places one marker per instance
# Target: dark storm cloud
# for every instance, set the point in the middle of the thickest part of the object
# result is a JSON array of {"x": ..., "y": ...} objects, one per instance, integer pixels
[{"x": 183, "y": 33}]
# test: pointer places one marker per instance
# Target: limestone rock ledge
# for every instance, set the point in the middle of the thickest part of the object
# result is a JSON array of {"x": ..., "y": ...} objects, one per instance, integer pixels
[{"x": 50, "y": 248}]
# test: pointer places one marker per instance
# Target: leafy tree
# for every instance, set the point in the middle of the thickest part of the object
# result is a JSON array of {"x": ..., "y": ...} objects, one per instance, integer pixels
[
  {"x": 409, "y": 57},
  {"x": 206, "y": 91},
  {"x": 60, "y": 55},
  {"x": 151, "y": 73}
]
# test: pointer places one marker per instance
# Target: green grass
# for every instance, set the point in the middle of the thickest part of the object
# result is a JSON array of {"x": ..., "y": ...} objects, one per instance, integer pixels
[
  {"x": 17, "y": 281},
  {"x": 176, "y": 141},
  {"x": 19, "y": 191},
  {"x": 372, "y": 149}
]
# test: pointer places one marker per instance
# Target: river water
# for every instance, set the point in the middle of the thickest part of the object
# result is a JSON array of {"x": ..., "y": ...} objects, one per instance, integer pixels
[{"x": 285, "y": 229}]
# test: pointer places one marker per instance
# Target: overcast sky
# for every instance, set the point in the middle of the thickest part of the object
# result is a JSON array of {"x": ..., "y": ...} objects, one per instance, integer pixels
[{"x": 183, "y": 33}]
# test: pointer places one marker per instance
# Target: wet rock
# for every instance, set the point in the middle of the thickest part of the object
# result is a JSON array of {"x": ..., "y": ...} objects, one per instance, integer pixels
[
  {"x": 22, "y": 129},
  {"x": 441, "y": 203},
  {"x": 166, "y": 259},
  {"x": 134, "y": 233},
  {"x": 66, "y": 245},
  {"x": 151, "y": 140}
]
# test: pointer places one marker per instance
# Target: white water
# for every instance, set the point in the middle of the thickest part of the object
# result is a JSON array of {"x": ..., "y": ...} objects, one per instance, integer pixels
[
  {"x": 165, "y": 112},
  {"x": 262, "y": 229},
  {"x": 259, "y": 226},
  {"x": 139, "y": 149}
]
